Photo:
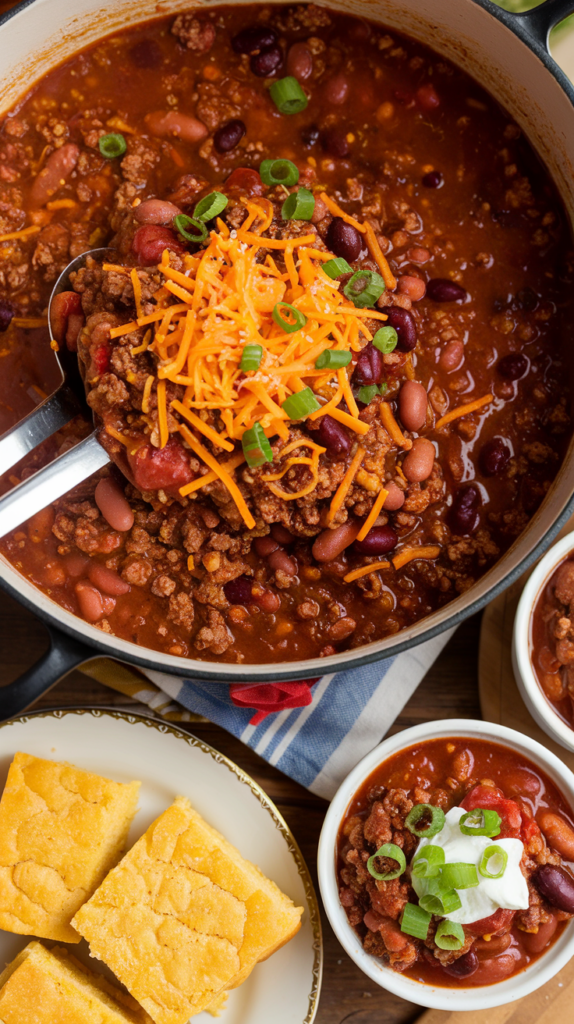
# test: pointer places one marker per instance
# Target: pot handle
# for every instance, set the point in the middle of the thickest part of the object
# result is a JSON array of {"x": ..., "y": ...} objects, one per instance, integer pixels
[
  {"x": 537, "y": 24},
  {"x": 63, "y": 654}
]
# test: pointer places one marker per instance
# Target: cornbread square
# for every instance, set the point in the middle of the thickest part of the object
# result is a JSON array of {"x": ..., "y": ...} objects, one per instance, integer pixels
[
  {"x": 184, "y": 917},
  {"x": 43, "y": 987},
  {"x": 61, "y": 830}
]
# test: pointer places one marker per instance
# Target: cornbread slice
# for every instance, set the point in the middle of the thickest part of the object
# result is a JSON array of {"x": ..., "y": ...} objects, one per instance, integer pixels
[
  {"x": 61, "y": 830},
  {"x": 184, "y": 917},
  {"x": 50, "y": 987}
]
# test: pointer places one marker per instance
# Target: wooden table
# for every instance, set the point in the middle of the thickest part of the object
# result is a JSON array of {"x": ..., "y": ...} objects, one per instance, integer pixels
[{"x": 450, "y": 690}]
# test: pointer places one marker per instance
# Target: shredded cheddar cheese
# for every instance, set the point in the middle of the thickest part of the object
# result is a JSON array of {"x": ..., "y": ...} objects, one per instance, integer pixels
[
  {"x": 391, "y": 426},
  {"x": 370, "y": 520},
  {"x": 464, "y": 410},
  {"x": 221, "y": 472},
  {"x": 365, "y": 570},
  {"x": 345, "y": 485},
  {"x": 23, "y": 233},
  {"x": 379, "y": 258},
  {"x": 407, "y": 554}
]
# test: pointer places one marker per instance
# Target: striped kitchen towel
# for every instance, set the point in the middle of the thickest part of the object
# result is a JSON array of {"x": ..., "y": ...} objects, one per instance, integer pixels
[{"x": 317, "y": 745}]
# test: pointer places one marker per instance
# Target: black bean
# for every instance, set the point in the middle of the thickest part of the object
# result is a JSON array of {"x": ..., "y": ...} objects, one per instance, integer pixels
[
  {"x": 229, "y": 135},
  {"x": 434, "y": 179},
  {"x": 265, "y": 63},
  {"x": 494, "y": 457},
  {"x": 334, "y": 141},
  {"x": 464, "y": 966},
  {"x": 310, "y": 135},
  {"x": 379, "y": 540},
  {"x": 146, "y": 54},
  {"x": 404, "y": 324},
  {"x": 442, "y": 289},
  {"x": 556, "y": 885},
  {"x": 333, "y": 436},
  {"x": 464, "y": 516},
  {"x": 369, "y": 367},
  {"x": 344, "y": 240},
  {"x": 513, "y": 366},
  {"x": 253, "y": 39},
  {"x": 239, "y": 591},
  {"x": 7, "y": 311}
]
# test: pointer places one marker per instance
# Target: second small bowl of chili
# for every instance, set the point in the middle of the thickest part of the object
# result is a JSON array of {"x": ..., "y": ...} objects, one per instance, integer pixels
[{"x": 446, "y": 865}]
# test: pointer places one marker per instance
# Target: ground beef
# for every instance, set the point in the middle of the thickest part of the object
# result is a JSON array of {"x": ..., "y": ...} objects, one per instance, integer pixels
[
  {"x": 196, "y": 34},
  {"x": 216, "y": 636}
]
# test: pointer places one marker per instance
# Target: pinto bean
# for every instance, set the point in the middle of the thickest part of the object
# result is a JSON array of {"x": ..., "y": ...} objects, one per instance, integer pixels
[
  {"x": 451, "y": 356},
  {"x": 564, "y": 582},
  {"x": 412, "y": 286},
  {"x": 559, "y": 834},
  {"x": 265, "y": 546},
  {"x": 342, "y": 628},
  {"x": 113, "y": 505},
  {"x": 40, "y": 525},
  {"x": 167, "y": 123},
  {"x": 418, "y": 254},
  {"x": 90, "y": 601},
  {"x": 107, "y": 580},
  {"x": 267, "y": 600},
  {"x": 413, "y": 405},
  {"x": 156, "y": 211},
  {"x": 150, "y": 241},
  {"x": 497, "y": 944},
  {"x": 535, "y": 942},
  {"x": 556, "y": 885},
  {"x": 418, "y": 463},
  {"x": 281, "y": 534},
  {"x": 300, "y": 62},
  {"x": 58, "y": 167},
  {"x": 279, "y": 559},
  {"x": 330, "y": 543},
  {"x": 64, "y": 304},
  {"x": 395, "y": 498},
  {"x": 76, "y": 564},
  {"x": 337, "y": 90}
]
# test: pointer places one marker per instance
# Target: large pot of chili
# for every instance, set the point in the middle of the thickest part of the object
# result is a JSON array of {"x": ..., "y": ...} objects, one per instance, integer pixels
[{"x": 508, "y": 56}]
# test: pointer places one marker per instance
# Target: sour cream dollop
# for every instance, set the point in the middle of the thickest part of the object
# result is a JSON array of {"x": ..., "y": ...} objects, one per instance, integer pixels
[{"x": 509, "y": 892}]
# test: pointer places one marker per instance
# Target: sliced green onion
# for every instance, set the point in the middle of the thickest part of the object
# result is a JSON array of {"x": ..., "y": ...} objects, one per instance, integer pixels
[
  {"x": 251, "y": 357},
  {"x": 384, "y": 387},
  {"x": 210, "y": 206},
  {"x": 364, "y": 288},
  {"x": 112, "y": 145},
  {"x": 418, "y": 814},
  {"x": 183, "y": 223},
  {"x": 393, "y": 853},
  {"x": 288, "y": 96},
  {"x": 428, "y": 862},
  {"x": 334, "y": 268},
  {"x": 256, "y": 447},
  {"x": 299, "y": 206},
  {"x": 332, "y": 359},
  {"x": 481, "y": 822},
  {"x": 279, "y": 172},
  {"x": 299, "y": 319},
  {"x": 386, "y": 339},
  {"x": 449, "y": 935},
  {"x": 415, "y": 921},
  {"x": 366, "y": 394},
  {"x": 493, "y": 862},
  {"x": 441, "y": 901},
  {"x": 459, "y": 876},
  {"x": 299, "y": 406}
]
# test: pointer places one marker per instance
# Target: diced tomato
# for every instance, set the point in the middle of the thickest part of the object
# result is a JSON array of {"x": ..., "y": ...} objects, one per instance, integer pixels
[
  {"x": 150, "y": 241},
  {"x": 101, "y": 360},
  {"x": 492, "y": 798},
  {"x": 245, "y": 179},
  {"x": 529, "y": 830},
  {"x": 499, "y": 922},
  {"x": 63, "y": 305},
  {"x": 165, "y": 469}
]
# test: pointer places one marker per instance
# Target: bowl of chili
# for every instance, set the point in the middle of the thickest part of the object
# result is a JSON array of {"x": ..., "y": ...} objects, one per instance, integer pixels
[{"x": 421, "y": 814}]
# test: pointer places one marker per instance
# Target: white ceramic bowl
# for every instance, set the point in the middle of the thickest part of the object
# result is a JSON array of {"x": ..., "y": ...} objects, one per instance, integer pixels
[
  {"x": 540, "y": 708},
  {"x": 459, "y": 998}
]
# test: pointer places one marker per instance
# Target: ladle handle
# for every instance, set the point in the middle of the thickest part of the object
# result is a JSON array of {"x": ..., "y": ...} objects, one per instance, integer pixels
[
  {"x": 536, "y": 25},
  {"x": 64, "y": 654},
  {"x": 49, "y": 483},
  {"x": 54, "y": 412}
]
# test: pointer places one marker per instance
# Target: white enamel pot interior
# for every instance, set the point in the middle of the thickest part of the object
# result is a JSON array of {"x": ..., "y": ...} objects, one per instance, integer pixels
[{"x": 473, "y": 34}]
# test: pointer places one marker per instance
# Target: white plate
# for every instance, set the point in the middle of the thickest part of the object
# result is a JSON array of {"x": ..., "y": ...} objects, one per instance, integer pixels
[{"x": 120, "y": 746}]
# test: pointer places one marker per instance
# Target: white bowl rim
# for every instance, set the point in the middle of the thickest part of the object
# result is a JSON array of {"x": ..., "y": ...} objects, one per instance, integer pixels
[
  {"x": 537, "y": 703},
  {"x": 459, "y": 998}
]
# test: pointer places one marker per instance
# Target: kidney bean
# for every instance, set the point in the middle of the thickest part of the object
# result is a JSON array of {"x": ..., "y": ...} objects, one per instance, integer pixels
[
  {"x": 491, "y": 971},
  {"x": 413, "y": 405},
  {"x": 442, "y": 289},
  {"x": 334, "y": 141},
  {"x": 344, "y": 240},
  {"x": 556, "y": 885},
  {"x": 267, "y": 600},
  {"x": 513, "y": 366},
  {"x": 7, "y": 311},
  {"x": 379, "y": 540},
  {"x": 330, "y": 543},
  {"x": 76, "y": 564},
  {"x": 229, "y": 135},
  {"x": 90, "y": 601},
  {"x": 342, "y": 628},
  {"x": 428, "y": 97},
  {"x": 113, "y": 505},
  {"x": 418, "y": 463},
  {"x": 40, "y": 525},
  {"x": 494, "y": 457},
  {"x": 245, "y": 179},
  {"x": 63, "y": 305},
  {"x": 464, "y": 516},
  {"x": 300, "y": 62},
  {"x": 414, "y": 287},
  {"x": 395, "y": 498},
  {"x": 434, "y": 179},
  {"x": 75, "y": 323},
  {"x": 166, "y": 123},
  {"x": 310, "y": 135},
  {"x": 559, "y": 834},
  {"x": 266, "y": 62},
  {"x": 150, "y": 241},
  {"x": 403, "y": 322},
  {"x": 371, "y": 919},
  {"x": 487, "y": 950},
  {"x": 527, "y": 299},
  {"x": 464, "y": 966},
  {"x": 535, "y": 942},
  {"x": 451, "y": 356},
  {"x": 53, "y": 574},
  {"x": 333, "y": 436},
  {"x": 165, "y": 469},
  {"x": 57, "y": 168},
  {"x": 146, "y": 54},
  {"x": 254, "y": 38},
  {"x": 156, "y": 211},
  {"x": 369, "y": 368},
  {"x": 281, "y": 534},
  {"x": 239, "y": 590},
  {"x": 107, "y": 580},
  {"x": 337, "y": 90},
  {"x": 265, "y": 546},
  {"x": 279, "y": 559}
]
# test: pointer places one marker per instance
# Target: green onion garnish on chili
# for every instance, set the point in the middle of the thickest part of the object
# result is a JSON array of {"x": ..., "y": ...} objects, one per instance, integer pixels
[
  {"x": 449, "y": 935},
  {"x": 256, "y": 447},
  {"x": 417, "y": 821},
  {"x": 210, "y": 206},
  {"x": 441, "y": 901},
  {"x": 415, "y": 921},
  {"x": 288, "y": 96},
  {"x": 336, "y": 267},
  {"x": 279, "y": 172},
  {"x": 481, "y": 822},
  {"x": 299, "y": 406},
  {"x": 299, "y": 205},
  {"x": 393, "y": 852},
  {"x": 493, "y": 862},
  {"x": 386, "y": 339},
  {"x": 296, "y": 320},
  {"x": 332, "y": 359},
  {"x": 367, "y": 393},
  {"x": 112, "y": 146},
  {"x": 459, "y": 876},
  {"x": 193, "y": 230},
  {"x": 251, "y": 357},
  {"x": 428, "y": 862},
  {"x": 364, "y": 288}
]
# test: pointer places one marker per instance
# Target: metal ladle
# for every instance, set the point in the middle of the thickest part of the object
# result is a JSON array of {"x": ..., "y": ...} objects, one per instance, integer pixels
[{"x": 74, "y": 465}]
